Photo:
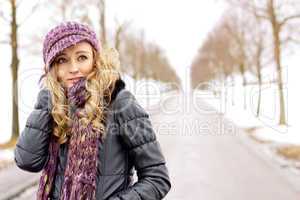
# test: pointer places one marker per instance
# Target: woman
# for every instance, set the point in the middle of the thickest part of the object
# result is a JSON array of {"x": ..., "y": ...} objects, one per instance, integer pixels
[{"x": 87, "y": 131}]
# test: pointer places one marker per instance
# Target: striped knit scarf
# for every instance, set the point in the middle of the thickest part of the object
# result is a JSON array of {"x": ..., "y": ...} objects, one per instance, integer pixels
[{"x": 82, "y": 159}]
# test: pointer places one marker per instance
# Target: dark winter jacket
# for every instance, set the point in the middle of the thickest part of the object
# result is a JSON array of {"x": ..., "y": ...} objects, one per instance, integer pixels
[{"x": 130, "y": 144}]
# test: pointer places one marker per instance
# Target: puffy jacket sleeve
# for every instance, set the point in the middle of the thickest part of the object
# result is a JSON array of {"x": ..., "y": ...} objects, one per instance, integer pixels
[
  {"x": 31, "y": 152},
  {"x": 145, "y": 152}
]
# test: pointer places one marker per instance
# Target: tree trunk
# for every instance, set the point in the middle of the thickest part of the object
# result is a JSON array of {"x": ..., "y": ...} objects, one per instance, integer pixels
[
  {"x": 259, "y": 50},
  {"x": 258, "y": 67},
  {"x": 277, "y": 56},
  {"x": 242, "y": 70},
  {"x": 14, "y": 70},
  {"x": 233, "y": 90},
  {"x": 102, "y": 21}
]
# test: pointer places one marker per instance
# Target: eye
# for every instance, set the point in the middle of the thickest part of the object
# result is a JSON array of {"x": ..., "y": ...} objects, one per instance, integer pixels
[
  {"x": 60, "y": 60},
  {"x": 82, "y": 57}
]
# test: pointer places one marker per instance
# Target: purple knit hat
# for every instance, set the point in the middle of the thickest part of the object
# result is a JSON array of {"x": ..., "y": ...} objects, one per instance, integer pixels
[{"x": 65, "y": 35}]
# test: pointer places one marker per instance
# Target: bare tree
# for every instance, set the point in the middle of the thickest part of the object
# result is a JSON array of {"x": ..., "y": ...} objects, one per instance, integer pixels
[
  {"x": 14, "y": 69},
  {"x": 143, "y": 60},
  {"x": 237, "y": 29},
  {"x": 217, "y": 57},
  {"x": 120, "y": 30},
  {"x": 256, "y": 50},
  {"x": 278, "y": 14},
  {"x": 102, "y": 10},
  {"x": 14, "y": 45}
]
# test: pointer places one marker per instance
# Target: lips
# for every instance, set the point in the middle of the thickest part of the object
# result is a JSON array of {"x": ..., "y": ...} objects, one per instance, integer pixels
[{"x": 75, "y": 79}]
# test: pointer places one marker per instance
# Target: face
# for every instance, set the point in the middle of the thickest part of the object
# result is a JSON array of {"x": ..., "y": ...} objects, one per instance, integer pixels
[{"x": 74, "y": 62}]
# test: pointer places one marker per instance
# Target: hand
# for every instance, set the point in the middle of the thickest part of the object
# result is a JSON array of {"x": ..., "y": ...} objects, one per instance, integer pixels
[
  {"x": 76, "y": 94},
  {"x": 44, "y": 101}
]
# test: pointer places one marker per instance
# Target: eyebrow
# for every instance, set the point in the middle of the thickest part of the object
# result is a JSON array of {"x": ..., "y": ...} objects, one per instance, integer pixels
[{"x": 78, "y": 52}]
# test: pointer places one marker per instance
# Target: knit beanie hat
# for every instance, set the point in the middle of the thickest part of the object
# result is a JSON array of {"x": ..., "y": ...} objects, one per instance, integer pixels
[{"x": 65, "y": 35}]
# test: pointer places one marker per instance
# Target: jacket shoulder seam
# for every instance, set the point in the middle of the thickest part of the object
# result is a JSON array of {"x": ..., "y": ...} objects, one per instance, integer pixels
[
  {"x": 144, "y": 143},
  {"x": 134, "y": 118},
  {"x": 36, "y": 128}
]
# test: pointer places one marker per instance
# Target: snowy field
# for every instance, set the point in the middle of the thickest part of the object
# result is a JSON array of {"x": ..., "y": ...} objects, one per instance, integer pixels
[{"x": 240, "y": 105}]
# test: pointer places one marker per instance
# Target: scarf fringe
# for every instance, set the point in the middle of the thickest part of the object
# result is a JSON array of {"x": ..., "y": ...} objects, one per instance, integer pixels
[{"x": 46, "y": 179}]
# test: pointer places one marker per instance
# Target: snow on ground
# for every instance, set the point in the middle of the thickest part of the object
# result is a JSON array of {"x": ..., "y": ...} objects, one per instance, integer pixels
[
  {"x": 269, "y": 134},
  {"x": 147, "y": 92},
  {"x": 6, "y": 158},
  {"x": 240, "y": 105},
  {"x": 6, "y": 154}
]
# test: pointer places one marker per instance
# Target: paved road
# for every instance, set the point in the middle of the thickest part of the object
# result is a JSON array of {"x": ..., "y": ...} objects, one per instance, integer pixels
[
  {"x": 13, "y": 180},
  {"x": 210, "y": 158}
]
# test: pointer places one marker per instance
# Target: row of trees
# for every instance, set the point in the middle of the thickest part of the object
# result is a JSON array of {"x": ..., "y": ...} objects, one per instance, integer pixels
[
  {"x": 139, "y": 58},
  {"x": 251, "y": 34}
]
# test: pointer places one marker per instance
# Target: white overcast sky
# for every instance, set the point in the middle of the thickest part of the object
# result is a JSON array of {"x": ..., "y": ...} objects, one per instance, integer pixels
[{"x": 178, "y": 26}]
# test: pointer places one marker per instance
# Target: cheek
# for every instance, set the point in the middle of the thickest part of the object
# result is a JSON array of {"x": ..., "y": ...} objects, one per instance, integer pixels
[
  {"x": 86, "y": 68},
  {"x": 61, "y": 74}
]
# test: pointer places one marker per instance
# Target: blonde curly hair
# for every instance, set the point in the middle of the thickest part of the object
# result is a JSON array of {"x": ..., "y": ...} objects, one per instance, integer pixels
[{"x": 99, "y": 84}]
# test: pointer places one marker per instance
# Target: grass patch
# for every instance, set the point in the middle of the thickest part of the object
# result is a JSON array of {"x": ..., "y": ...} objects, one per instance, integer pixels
[
  {"x": 291, "y": 152},
  {"x": 251, "y": 130},
  {"x": 10, "y": 144},
  {"x": 261, "y": 141},
  {"x": 251, "y": 134},
  {"x": 6, "y": 163}
]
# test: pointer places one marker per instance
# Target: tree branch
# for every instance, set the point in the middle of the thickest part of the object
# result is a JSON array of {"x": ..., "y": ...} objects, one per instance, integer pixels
[
  {"x": 250, "y": 7},
  {"x": 33, "y": 9},
  {"x": 288, "y": 18},
  {"x": 290, "y": 39}
]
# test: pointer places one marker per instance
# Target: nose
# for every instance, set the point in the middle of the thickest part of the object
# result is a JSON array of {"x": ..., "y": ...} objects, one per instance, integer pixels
[{"x": 74, "y": 68}]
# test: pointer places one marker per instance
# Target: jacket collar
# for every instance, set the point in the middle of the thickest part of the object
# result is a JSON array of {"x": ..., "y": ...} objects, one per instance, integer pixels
[{"x": 119, "y": 85}]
